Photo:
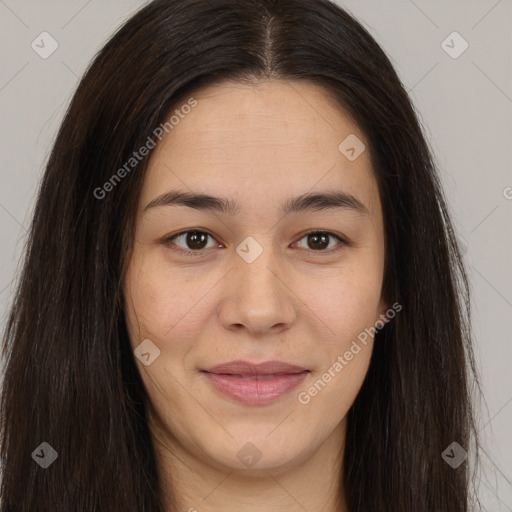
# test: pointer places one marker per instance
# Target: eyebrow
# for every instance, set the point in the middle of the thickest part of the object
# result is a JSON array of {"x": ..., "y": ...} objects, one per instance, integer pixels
[{"x": 305, "y": 202}]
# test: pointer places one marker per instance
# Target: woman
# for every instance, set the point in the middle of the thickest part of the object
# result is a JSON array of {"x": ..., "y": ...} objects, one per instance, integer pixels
[{"x": 242, "y": 288}]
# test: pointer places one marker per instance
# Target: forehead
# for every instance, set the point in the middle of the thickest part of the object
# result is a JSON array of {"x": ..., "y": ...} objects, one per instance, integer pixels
[{"x": 260, "y": 142}]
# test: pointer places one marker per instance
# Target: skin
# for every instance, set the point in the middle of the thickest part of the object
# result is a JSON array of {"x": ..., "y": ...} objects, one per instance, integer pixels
[{"x": 257, "y": 145}]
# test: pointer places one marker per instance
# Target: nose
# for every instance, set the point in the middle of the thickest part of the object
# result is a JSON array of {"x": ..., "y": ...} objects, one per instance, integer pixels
[{"x": 258, "y": 297}]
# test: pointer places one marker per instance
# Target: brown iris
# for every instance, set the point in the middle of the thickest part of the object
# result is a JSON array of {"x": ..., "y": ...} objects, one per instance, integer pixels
[
  {"x": 196, "y": 239},
  {"x": 321, "y": 240}
]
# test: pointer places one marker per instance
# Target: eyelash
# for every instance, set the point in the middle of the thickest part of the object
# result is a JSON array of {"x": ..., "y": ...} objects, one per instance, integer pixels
[{"x": 200, "y": 252}]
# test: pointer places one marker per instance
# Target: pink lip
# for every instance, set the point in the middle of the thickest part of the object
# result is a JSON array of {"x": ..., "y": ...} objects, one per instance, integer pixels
[{"x": 255, "y": 388}]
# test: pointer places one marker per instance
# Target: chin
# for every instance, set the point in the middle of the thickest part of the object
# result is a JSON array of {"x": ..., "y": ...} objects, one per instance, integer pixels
[{"x": 257, "y": 455}]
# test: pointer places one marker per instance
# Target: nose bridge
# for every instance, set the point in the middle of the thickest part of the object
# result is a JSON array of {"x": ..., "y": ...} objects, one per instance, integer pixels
[
  {"x": 256, "y": 259},
  {"x": 259, "y": 300}
]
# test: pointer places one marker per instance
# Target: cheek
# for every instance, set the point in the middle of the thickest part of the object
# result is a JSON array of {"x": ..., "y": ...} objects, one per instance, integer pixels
[
  {"x": 165, "y": 304},
  {"x": 347, "y": 302},
  {"x": 152, "y": 299},
  {"x": 346, "y": 311}
]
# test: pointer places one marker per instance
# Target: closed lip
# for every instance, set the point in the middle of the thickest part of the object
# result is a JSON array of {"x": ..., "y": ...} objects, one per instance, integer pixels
[{"x": 246, "y": 369}]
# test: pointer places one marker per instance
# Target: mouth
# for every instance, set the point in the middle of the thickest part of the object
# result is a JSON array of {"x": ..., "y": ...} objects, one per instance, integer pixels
[
  {"x": 254, "y": 384},
  {"x": 246, "y": 369}
]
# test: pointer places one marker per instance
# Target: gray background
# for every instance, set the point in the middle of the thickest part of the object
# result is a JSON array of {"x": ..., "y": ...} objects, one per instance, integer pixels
[{"x": 465, "y": 105}]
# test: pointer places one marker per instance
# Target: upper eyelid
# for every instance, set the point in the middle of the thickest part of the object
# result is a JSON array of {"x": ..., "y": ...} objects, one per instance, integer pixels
[{"x": 181, "y": 233}]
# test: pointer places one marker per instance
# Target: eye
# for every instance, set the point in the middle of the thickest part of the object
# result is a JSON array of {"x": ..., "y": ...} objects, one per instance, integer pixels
[
  {"x": 318, "y": 241},
  {"x": 195, "y": 242}
]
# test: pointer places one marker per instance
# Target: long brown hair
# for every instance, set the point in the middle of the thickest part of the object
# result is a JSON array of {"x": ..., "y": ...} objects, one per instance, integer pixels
[{"x": 70, "y": 378}]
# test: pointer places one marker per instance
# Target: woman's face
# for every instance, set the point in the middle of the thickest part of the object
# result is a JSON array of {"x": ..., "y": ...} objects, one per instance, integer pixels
[{"x": 253, "y": 286}]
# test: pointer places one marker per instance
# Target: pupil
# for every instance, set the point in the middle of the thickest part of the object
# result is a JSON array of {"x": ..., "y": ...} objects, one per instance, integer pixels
[{"x": 323, "y": 244}]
